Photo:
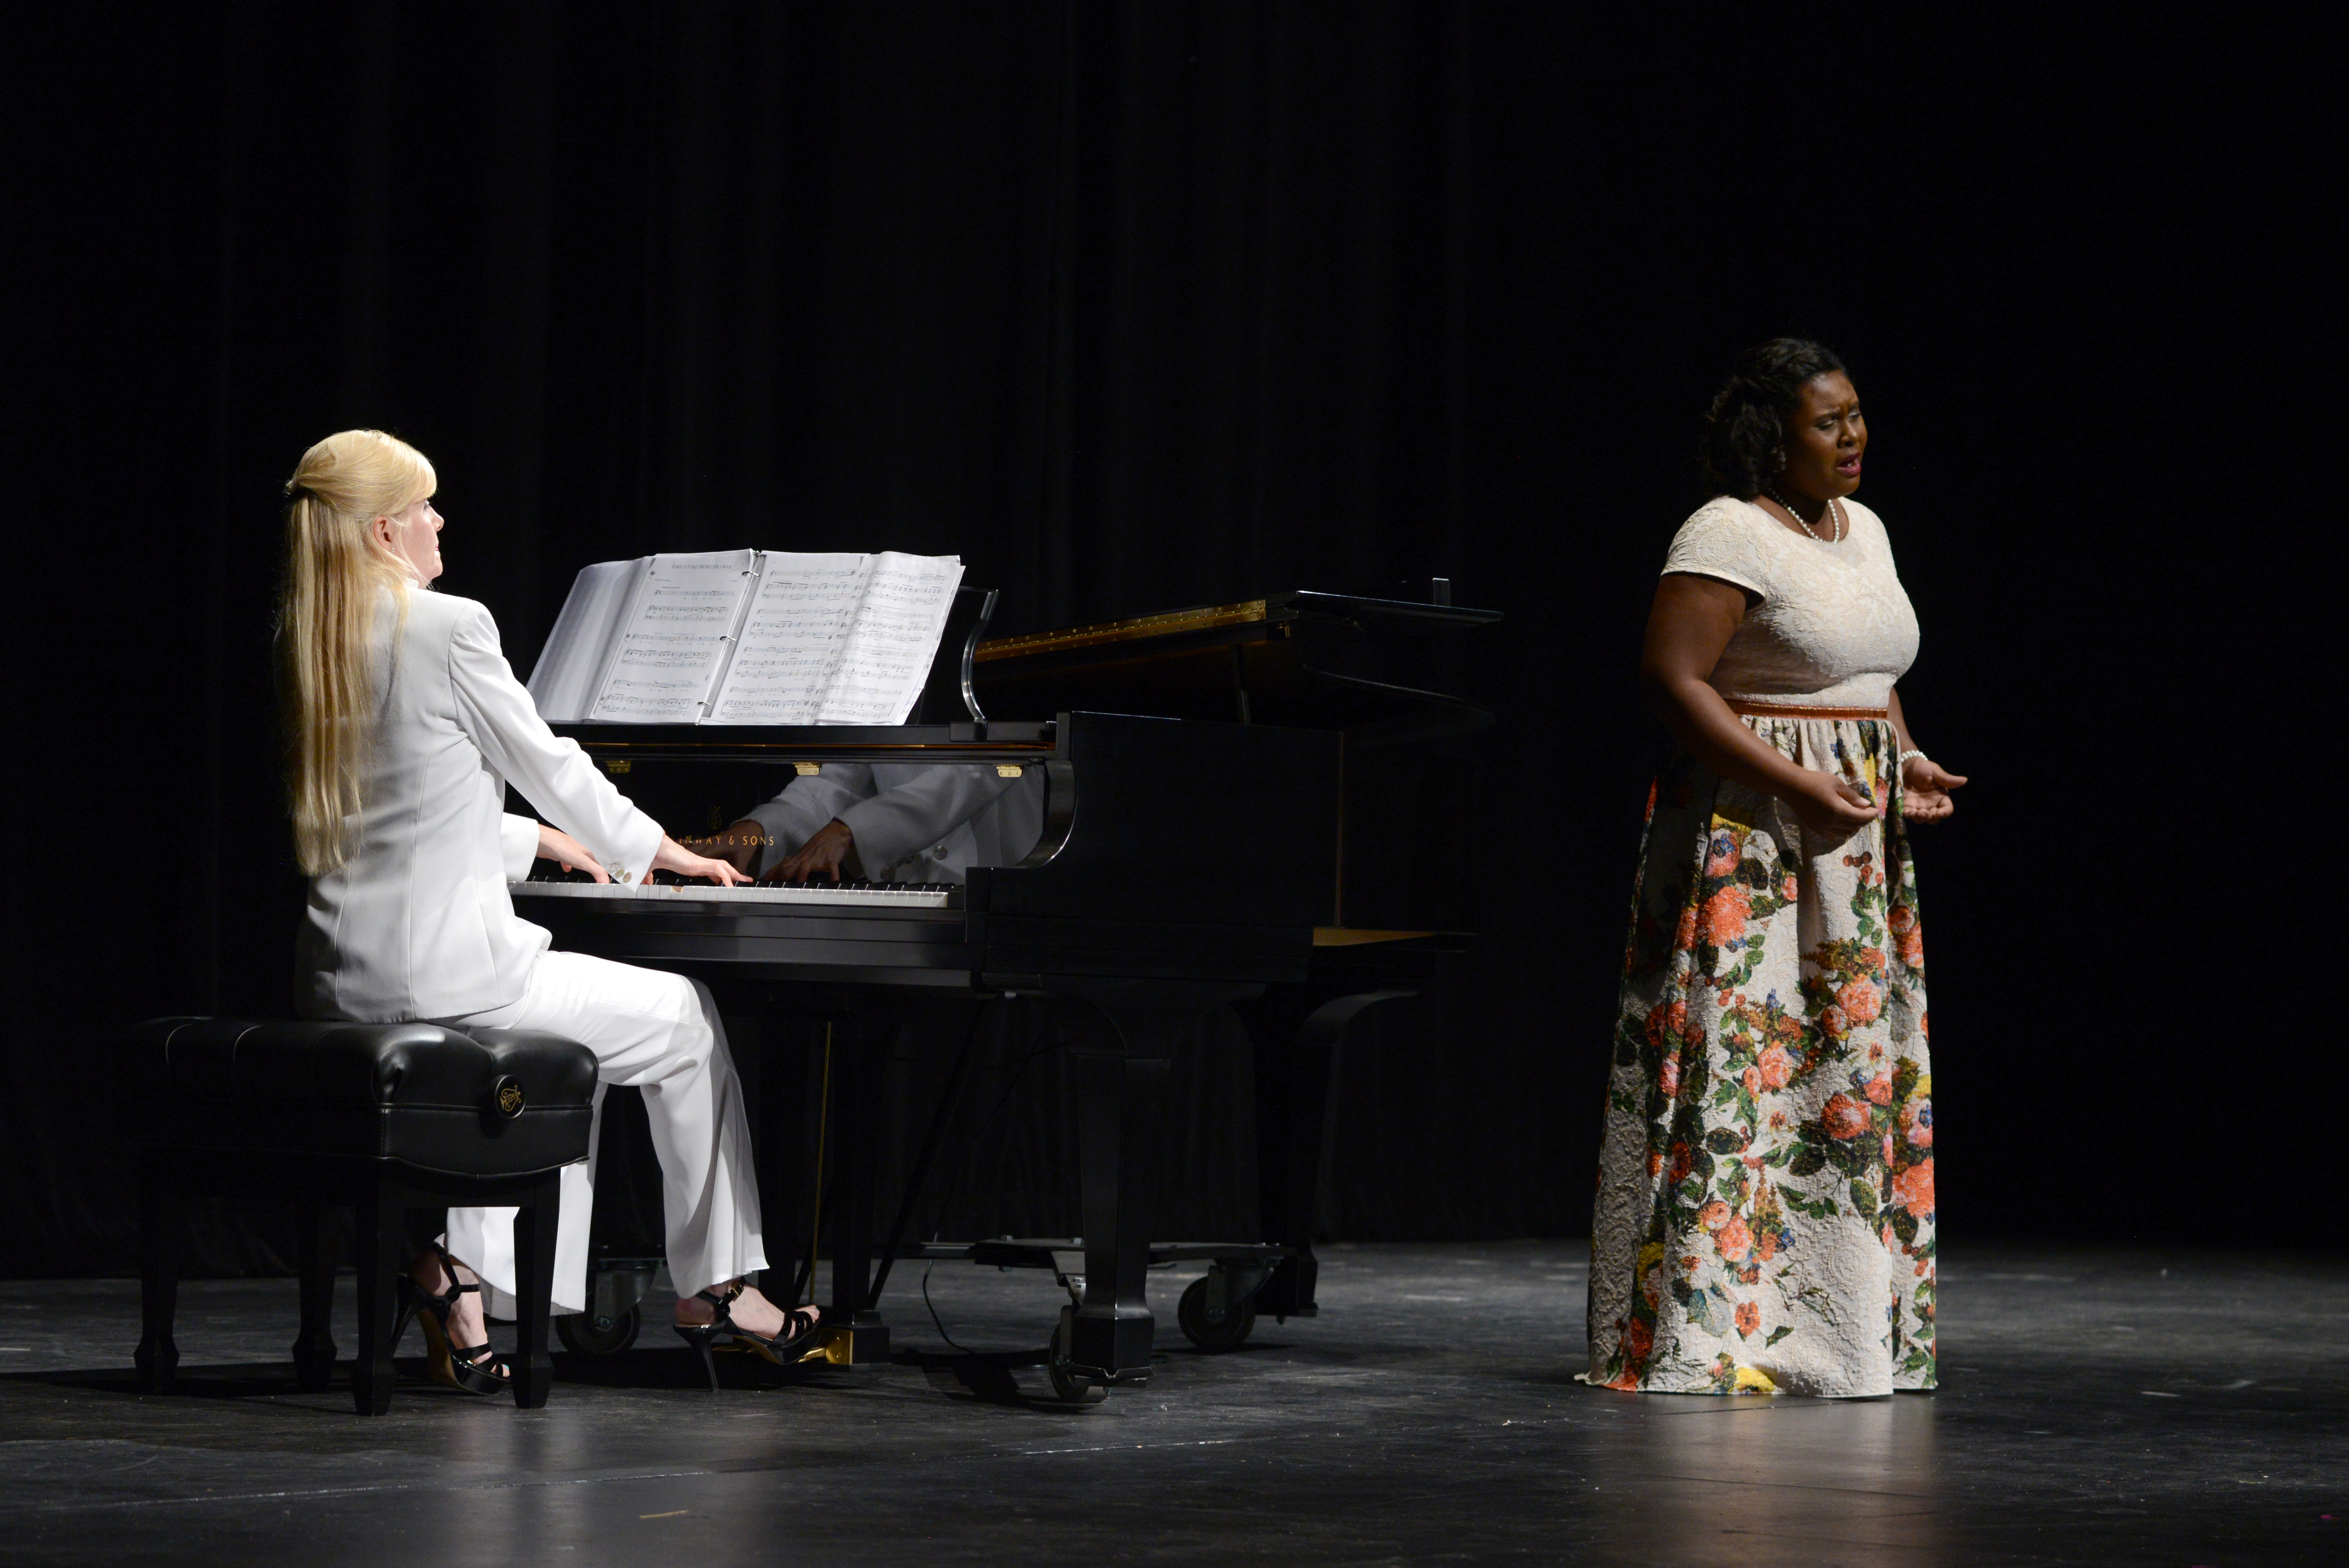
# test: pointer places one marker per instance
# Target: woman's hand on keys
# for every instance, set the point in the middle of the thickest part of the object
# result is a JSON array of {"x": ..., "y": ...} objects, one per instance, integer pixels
[
  {"x": 555, "y": 844},
  {"x": 673, "y": 856}
]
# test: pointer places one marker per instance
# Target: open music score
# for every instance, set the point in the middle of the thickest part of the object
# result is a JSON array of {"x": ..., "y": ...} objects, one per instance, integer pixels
[{"x": 747, "y": 636}]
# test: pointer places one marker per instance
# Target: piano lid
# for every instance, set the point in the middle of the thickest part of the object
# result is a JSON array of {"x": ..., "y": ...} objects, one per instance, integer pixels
[{"x": 1264, "y": 661}]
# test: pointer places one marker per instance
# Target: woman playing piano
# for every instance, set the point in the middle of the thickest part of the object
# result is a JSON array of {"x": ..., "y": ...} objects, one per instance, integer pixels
[
  {"x": 405, "y": 727},
  {"x": 1765, "y": 1216}
]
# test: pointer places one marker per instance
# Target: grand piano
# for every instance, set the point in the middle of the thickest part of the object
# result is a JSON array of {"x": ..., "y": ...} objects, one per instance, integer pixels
[{"x": 1190, "y": 858}]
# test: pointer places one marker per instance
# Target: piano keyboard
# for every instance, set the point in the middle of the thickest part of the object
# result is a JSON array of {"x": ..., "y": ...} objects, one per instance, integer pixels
[{"x": 932, "y": 895}]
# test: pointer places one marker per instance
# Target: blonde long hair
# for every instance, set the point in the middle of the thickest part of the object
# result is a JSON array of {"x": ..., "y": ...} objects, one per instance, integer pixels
[{"x": 337, "y": 572}]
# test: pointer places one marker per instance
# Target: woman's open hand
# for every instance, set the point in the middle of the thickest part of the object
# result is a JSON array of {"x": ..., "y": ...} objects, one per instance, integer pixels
[
  {"x": 1925, "y": 788},
  {"x": 555, "y": 844},
  {"x": 673, "y": 856},
  {"x": 1833, "y": 808}
]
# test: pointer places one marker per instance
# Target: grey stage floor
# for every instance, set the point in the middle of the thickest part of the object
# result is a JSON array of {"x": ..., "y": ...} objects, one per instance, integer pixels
[{"x": 2101, "y": 1407}]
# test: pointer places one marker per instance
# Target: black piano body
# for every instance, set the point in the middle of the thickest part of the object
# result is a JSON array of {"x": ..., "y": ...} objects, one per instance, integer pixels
[
  {"x": 1191, "y": 856},
  {"x": 1182, "y": 865}
]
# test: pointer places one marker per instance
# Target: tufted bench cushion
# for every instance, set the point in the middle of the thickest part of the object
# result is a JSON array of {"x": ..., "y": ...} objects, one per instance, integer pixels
[{"x": 488, "y": 1102}]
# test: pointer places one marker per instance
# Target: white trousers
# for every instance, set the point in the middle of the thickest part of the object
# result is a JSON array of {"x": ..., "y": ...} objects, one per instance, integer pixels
[{"x": 661, "y": 1033}]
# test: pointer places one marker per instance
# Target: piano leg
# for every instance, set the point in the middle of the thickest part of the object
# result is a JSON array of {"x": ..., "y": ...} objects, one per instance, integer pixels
[
  {"x": 1118, "y": 1057},
  {"x": 1297, "y": 1036},
  {"x": 1292, "y": 1097}
]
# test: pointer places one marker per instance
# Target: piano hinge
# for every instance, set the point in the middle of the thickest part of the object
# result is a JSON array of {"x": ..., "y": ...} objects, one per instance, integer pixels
[
  {"x": 616, "y": 764},
  {"x": 1008, "y": 770},
  {"x": 804, "y": 768}
]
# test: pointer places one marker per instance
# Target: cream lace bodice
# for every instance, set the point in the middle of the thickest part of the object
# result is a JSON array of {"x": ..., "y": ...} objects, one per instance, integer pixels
[{"x": 1833, "y": 628}]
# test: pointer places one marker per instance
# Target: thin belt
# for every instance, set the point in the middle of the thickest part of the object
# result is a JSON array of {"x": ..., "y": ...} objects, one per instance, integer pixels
[{"x": 1739, "y": 705}]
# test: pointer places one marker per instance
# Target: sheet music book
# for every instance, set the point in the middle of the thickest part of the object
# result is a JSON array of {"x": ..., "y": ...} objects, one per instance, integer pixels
[{"x": 747, "y": 636}]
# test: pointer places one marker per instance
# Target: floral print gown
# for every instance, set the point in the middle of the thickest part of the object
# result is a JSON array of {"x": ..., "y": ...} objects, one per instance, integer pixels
[{"x": 1764, "y": 1217}]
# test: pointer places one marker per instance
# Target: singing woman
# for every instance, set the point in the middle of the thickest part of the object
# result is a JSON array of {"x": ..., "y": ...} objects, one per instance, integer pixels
[
  {"x": 1764, "y": 1217},
  {"x": 405, "y": 727}
]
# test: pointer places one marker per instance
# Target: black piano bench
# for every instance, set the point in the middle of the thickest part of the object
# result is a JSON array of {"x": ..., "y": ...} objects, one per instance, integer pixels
[{"x": 381, "y": 1119}]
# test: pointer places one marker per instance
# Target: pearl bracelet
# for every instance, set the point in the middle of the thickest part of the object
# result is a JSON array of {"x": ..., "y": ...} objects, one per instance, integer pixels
[{"x": 1901, "y": 768}]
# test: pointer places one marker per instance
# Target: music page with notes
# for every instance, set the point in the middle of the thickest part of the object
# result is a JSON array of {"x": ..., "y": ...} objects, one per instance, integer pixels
[
  {"x": 675, "y": 637},
  {"x": 744, "y": 636},
  {"x": 792, "y": 638},
  {"x": 838, "y": 639}
]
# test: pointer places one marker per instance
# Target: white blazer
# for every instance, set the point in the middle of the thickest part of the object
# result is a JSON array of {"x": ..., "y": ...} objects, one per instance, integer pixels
[
  {"x": 912, "y": 822},
  {"x": 417, "y": 924}
]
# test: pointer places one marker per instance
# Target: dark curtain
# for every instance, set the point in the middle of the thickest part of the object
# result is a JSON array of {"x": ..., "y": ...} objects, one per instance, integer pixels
[{"x": 1137, "y": 306}]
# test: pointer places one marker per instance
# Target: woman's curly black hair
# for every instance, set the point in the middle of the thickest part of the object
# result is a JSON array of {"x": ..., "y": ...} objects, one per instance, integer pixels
[{"x": 1744, "y": 438}]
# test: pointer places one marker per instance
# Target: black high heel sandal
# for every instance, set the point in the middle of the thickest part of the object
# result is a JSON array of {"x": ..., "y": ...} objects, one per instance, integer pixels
[
  {"x": 453, "y": 1364},
  {"x": 782, "y": 1349}
]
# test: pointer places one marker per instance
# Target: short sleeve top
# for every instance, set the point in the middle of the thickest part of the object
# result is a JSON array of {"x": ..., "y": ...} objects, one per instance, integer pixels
[{"x": 1833, "y": 627}]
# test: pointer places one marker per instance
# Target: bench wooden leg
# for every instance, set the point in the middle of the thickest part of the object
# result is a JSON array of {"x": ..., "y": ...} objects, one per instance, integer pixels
[
  {"x": 162, "y": 1225},
  {"x": 313, "y": 1349},
  {"x": 381, "y": 1238},
  {"x": 534, "y": 1232}
]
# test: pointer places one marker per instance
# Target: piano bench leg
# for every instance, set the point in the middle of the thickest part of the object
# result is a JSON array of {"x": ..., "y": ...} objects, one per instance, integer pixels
[
  {"x": 161, "y": 1224},
  {"x": 314, "y": 1348}
]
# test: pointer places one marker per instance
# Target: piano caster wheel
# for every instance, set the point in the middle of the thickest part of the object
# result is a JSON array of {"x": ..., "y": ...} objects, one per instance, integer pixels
[
  {"x": 583, "y": 1336},
  {"x": 1072, "y": 1389},
  {"x": 1212, "y": 1331}
]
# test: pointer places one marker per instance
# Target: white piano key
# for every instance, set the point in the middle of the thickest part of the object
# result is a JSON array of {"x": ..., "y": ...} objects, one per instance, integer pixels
[{"x": 932, "y": 896}]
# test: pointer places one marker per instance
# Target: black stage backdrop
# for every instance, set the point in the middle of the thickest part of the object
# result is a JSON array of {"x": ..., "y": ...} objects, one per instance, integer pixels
[{"x": 1138, "y": 305}]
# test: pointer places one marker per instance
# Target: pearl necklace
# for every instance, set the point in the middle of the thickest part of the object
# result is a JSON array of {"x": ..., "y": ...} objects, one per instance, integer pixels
[{"x": 1830, "y": 508}]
